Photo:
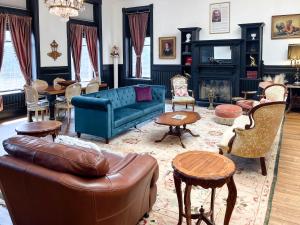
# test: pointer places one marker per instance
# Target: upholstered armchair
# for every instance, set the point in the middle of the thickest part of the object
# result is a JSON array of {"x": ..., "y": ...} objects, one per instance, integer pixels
[
  {"x": 180, "y": 93},
  {"x": 273, "y": 92},
  {"x": 252, "y": 135}
]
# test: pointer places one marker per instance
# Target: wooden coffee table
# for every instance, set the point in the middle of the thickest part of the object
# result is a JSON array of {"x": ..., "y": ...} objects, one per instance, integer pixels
[
  {"x": 177, "y": 127},
  {"x": 208, "y": 170},
  {"x": 40, "y": 129}
]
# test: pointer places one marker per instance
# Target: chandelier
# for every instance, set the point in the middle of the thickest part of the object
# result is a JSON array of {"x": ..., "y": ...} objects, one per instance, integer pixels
[{"x": 65, "y": 8}]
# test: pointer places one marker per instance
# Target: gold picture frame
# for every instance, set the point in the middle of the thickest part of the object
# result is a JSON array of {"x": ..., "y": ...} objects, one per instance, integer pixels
[
  {"x": 219, "y": 18},
  {"x": 285, "y": 26},
  {"x": 167, "y": 47}
]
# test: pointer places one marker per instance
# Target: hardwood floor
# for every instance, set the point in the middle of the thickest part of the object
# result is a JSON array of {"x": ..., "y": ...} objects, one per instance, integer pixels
[{"x": 286, "y": 200}]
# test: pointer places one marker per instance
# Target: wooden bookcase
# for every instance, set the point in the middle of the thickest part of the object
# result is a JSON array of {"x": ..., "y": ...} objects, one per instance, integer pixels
[
  {"x": 186, "y": 48},
  {"x": 252, "y": 34}
]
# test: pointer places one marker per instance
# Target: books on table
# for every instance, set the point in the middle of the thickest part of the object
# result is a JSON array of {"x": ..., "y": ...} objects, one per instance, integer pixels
[{"x": 179, "y": 117}]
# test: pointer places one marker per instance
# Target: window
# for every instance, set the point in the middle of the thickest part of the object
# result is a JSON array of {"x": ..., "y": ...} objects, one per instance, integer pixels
[
  {"x": 146, "y": 60},
  {"x": 86, "y": 68},
  {"x": 129, "y": 56},
  {"x": 11, "y": 77}
]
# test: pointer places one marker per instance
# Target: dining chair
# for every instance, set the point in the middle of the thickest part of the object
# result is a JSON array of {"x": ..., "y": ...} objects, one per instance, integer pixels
[
  {"x": 93, "y": 86},
  {"x": 40, "y": 85},
  {"x": 56, "y": 85},
  {"x": 34, "y": 104},
  {"x": 66, "y": 106}
]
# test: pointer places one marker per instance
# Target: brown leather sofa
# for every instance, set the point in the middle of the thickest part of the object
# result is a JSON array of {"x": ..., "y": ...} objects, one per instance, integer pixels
[{"x": 44, "y": 183}]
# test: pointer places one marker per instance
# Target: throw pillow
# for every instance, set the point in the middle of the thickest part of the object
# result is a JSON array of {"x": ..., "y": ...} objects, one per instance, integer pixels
[
  {"x": 143, "y": 93},
  {"x": 180, "y": 90}
]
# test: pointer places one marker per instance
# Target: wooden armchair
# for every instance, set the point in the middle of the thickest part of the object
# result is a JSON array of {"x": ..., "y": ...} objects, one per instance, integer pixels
[
  {"x": 181, "y": 95},
  {"x": 251, "y": 136}
]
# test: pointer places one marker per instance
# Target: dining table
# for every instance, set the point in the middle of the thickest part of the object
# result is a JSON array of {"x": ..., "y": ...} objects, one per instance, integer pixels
[{"x": 52, "y": 93}]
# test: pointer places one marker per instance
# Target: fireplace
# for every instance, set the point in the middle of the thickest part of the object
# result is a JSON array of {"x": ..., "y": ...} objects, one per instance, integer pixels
[{"x": 222, "y": 89}]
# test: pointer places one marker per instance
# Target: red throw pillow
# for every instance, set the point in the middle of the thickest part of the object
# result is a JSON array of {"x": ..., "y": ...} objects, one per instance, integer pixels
[{"x": 143, "y": 93}]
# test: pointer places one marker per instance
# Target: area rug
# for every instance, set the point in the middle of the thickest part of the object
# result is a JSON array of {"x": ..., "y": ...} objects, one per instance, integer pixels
[{"x": 253, "y": 189}]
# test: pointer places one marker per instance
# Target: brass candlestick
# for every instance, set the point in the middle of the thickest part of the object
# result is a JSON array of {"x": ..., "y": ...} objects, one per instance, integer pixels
[{"x": 211, "y": 97}]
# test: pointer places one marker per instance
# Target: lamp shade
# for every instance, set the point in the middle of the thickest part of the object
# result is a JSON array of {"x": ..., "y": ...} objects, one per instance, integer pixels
[{"x": 294, "y": 51}]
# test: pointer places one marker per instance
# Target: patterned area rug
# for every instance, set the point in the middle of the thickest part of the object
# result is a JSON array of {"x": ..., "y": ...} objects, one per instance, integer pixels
[{"x": 253, "y": 188}]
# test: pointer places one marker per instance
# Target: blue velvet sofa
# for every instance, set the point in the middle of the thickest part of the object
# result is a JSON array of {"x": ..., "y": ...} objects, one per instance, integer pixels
[{"x": 110, "y": 112}]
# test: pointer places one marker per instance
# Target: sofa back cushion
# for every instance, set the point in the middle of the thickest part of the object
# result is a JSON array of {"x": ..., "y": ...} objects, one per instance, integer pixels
[
  {"x": 62, "y": 158},
  {"x": 111, "y": 95},
  {"x": 126, "y": 95}
]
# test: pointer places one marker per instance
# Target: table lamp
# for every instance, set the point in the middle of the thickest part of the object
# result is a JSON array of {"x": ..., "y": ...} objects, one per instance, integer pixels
[{"x": 294, "y": 56}]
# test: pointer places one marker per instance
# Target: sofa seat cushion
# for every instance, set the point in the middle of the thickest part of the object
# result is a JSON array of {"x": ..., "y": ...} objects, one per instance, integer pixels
[
  {"x": 62, "y": 158},
  {"x": 125, "y": 114},
  {"x": 147, "y": 107}
]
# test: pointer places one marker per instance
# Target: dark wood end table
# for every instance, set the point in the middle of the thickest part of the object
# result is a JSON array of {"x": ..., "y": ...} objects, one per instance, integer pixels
[
  {"x": 40, "y": 129},
  {"x": 208, "y": 170},
  {"x": 177, "y": 127}
]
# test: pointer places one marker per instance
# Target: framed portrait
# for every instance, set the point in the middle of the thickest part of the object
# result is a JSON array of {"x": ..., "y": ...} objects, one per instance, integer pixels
[
  {"x": 285, "y": 26},
  {"x": 167, "y": 47},
  {"x": 219, "y": 21}
]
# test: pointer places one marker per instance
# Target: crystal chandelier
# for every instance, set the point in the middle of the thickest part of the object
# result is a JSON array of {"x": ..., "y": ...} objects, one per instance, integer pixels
[{"x": 65, "y": 8}]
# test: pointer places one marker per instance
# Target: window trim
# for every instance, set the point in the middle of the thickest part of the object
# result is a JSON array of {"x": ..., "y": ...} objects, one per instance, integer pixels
[{"x": 127, "y": 46}]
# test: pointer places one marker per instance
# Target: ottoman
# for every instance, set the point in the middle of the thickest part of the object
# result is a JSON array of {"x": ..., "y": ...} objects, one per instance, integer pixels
[{"x": 226, "y": 114}]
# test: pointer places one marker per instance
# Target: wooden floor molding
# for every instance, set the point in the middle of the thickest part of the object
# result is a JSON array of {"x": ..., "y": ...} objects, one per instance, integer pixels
[{"x": 286, "y": 200}]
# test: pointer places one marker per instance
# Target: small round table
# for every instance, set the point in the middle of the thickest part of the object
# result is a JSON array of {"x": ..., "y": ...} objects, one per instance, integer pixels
[
  {"x": 174, "y": 124},
  {"x": 208, "y": 170},
  {"x": 40, "y": 129}
]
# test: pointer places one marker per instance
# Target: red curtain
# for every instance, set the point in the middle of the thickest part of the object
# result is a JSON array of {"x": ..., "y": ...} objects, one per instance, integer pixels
[
  {"x": 138, "y": 28},
  {"x": 92, "y": 40},
  {"x": 76, "y": 32},
  {"x": 20, "y": 28},
  {"x": 2, "y": 39}
]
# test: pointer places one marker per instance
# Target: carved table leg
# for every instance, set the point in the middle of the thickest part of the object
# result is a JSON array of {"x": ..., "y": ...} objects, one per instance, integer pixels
[
  {"x": 232, "y": 193},
  {"x": 187, "y": 204},
  {"x": 177, "y": 182},
  {"x": 212, "y": 204},
  {"x": 191, "y": 133},
  {"x": 166, "y": 134}
]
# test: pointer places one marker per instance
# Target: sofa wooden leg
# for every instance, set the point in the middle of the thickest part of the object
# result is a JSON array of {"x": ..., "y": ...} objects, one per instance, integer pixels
[
  {"x": 78, "y": 134},
  {"x": 263, "y": 166},
  {"x": 106, "y": 140},
  {"x": 146, "y": 215},
  {"x": 186, "y": 105},
  {"x": 173, "y": 107}
]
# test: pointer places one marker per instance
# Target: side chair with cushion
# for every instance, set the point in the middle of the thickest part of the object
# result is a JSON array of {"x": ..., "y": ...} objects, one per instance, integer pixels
[
  {"x": 44, "y": 183},
  {"x": 180, "y": 93},
  {"x": 271, "y": 93},
  {"x": 71, "y": 91},
  {"x": 34, "y": 104},
  {"x": 252, "y": 135},
  {"x": 92, "y": 87}
]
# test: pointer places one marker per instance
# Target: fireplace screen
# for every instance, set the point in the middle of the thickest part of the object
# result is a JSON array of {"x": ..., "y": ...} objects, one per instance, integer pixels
[{"x": 221, "y": 89}]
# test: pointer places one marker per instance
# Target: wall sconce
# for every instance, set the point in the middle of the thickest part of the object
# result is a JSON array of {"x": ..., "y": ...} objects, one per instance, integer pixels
[
  {"x": 294, "y": 56},
  {"x": 54, "y": 54}
]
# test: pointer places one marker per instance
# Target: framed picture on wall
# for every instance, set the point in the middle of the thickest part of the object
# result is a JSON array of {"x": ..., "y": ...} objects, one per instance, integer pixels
[
  {"x": 219, "y": 21},
  {"x": 286, "y": 26},
  {"x": 167, "y": 47}
]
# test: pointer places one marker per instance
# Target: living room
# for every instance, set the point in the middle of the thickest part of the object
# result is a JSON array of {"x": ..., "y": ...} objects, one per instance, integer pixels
[{"x": 138, "y": 112}]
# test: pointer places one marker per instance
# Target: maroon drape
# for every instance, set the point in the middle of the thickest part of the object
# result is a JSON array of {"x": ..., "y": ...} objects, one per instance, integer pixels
[
  {"x": 2, "y": 39},
  {"x": 138, "y": 28},
  {"x": 2, "y": 36},
  {"x": 92, "y": 40},
  {"x": 20, "y": 28},
  {"x": 76, "y": 32}
]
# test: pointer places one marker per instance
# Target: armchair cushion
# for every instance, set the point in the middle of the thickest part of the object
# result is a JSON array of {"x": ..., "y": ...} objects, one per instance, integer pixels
[
  {"x": 62, "y": 158},
  {"x": 181, "y": 90},
  {"x": 239, "y": 123},
  {"x": 183, "y": 99}
]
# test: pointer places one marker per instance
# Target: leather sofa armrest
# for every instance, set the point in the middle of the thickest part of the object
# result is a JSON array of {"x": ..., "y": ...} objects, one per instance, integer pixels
[{"x": 90, "y": 102}]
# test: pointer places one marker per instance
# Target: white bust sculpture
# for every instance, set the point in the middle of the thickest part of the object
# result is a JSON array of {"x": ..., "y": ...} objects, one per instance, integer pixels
[{"x": 188, "y": 37}]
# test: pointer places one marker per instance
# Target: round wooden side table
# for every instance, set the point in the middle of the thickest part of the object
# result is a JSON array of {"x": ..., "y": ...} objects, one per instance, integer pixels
[
  {"x": 208, "y": 170},
  {"x": 40, "y": 129}
]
